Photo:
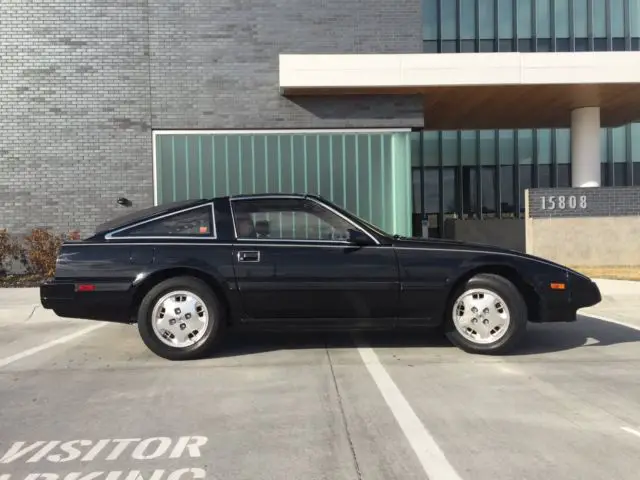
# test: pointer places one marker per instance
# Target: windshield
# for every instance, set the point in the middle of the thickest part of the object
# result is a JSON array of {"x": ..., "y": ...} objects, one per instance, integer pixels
[{"x": 362, "y": 221}]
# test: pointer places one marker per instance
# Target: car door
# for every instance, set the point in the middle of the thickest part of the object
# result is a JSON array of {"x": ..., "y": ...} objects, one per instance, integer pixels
[{"x": 294, "y": 262}]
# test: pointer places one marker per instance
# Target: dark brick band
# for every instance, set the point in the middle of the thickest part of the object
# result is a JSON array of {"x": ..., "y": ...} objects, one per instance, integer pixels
[{"x": 584, "y": 202}]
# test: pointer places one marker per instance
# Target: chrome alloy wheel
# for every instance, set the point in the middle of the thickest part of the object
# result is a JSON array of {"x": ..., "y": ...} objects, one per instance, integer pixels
[
  {"x": 180, "y": 318},
  {"x": 481, "y": 316}
]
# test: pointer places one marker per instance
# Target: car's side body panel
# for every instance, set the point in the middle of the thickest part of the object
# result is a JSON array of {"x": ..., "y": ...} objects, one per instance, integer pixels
[{"x": 317, "y": 282}]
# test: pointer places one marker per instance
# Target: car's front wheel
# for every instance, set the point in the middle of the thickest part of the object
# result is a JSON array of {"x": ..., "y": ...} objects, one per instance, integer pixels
[
  {"x": 180, "y": 319},
  {"x": 487, "y": 315}
]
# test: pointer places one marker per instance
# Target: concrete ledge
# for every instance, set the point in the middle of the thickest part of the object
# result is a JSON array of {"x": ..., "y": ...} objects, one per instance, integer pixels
[{"x": 614, "y": 288}]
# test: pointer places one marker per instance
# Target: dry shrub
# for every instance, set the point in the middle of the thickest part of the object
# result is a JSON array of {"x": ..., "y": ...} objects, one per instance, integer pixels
[
  {"x": 41, "y": 249},
  {"x": 9, "y": 249}
]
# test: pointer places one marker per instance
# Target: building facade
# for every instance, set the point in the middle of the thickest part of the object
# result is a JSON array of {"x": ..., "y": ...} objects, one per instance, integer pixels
[{"x": 161, "y": 100}]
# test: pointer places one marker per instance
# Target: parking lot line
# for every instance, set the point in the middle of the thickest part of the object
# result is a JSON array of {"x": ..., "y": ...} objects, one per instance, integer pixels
[
  {"x": 631, "y": 431},
  {"x": 58, "y": 341},
  {"x": 431, "y": 457}
]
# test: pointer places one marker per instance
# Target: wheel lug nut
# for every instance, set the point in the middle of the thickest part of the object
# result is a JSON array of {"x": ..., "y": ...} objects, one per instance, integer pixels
[
  {"x": 486, "y": 310},
  {"x": 474, "y": 309},
  {"x": 172, "y": 321},
  {"x": 183, "y": 326},
  {"x": 486, "y": 322},
  {"x": 474, "y": 320},
  {"x": 187, "y": 316},
  {"x": 177, "y": 311}
]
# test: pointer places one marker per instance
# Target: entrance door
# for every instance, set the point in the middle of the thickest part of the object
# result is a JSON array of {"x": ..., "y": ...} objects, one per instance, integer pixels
[{"x": 294, "y": 261}]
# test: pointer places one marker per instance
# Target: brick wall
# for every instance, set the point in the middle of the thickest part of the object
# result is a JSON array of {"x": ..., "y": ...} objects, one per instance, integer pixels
[{"x": 85, "y": 82}]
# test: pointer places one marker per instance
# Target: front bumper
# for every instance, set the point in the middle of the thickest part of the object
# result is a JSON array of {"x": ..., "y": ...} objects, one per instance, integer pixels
[{"x": 563, "y": 305}]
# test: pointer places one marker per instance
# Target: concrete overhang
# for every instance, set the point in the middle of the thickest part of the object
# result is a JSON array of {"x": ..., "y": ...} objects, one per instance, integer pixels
[{"x": 480, "y": 90}]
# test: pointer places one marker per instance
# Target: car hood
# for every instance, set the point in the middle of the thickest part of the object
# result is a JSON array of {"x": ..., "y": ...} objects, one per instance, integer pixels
[{"x": 445, "y": 244}]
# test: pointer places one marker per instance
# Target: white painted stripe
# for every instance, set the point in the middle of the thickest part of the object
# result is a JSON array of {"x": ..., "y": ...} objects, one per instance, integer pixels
[
  {"x": 631, "y": 431},
  {"x": 610, "y": 320},
  {"x": 58, "y": 341},
  {"x": 431, "y": 457}
]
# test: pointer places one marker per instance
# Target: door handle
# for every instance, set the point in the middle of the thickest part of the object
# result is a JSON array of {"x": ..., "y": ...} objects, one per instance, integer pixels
[{"x": 252, "y": 256}]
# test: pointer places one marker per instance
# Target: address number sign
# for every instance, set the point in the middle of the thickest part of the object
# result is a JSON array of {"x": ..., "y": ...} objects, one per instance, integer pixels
[{"x": 563, "y": 202}]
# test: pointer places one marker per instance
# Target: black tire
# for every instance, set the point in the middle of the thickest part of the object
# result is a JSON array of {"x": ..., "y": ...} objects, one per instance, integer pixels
[
  {"x": 213, "y": 331},
  {"x": 515, "y": 303}
]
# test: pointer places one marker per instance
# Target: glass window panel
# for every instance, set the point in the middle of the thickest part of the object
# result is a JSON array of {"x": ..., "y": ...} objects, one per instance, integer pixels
[
  {"x": 635, "y": 142},
  {"x": 543, "y": 18},
  {"x": 525, "y": 147},
  {"x": 488, "y": 147},
  {"x": 563, "y": 146},
  {"x": 604, "y": 145},
  {"x": 617, "y": 18},
  {"x": 580, "y": 18},
  {"x": 544, "y": 176},
  {"x": 599, "y": 19},
  {"x": 468, "y": 147},
  {"x": 431, "y": 149},
  {"x": 620, "y": 174},
  {"x": 450, "y": 186},
  {"x": 431, "y": 190},
  {"x": 470, "y": 191},
  {"x": 487, "y": 11},
  {"x": 505, "y": 18},
  {"x": 430, "y": 19},
  {"x": 192, "y": 223},
  {"x": 449, "y": 148},
  {"x": 544, "y": 146},
  {"x": 505, "y": 138},
  {"x": 506, "y": 185},
  {"x": 564, "y": 176},
  {"x": 489, "y": 197},
  {"x": 524, "y": 19},
  {"x": 619, "y": 144},
  {"x": 634, "y": 18},
  {"x": 467, "y": 19},
  {"x": 562, "y": 18},
  {"x": 526, "y": 181},
  {"x": 449, "y": 20},
  {"x": 636, "y": 174}
]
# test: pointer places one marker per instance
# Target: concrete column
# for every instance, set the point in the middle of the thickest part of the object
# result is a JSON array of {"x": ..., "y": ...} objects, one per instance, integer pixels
[{"x": 585, "y": 147}]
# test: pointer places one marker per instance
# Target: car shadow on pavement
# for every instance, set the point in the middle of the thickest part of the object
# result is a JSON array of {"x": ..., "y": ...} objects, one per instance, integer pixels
[
  {"x": 587, "y": 332},
  {"x": 251, "y": 342}
]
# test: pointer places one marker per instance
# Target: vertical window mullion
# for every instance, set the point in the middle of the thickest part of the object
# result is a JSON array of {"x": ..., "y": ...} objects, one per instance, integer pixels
[
  {"x": 629, "y": 156},
  {"x": 496, "y": 139},
  {"x": 609, "y": 32},
  {"x": 627, "y": 25},
  {"x": 440, "y": 186},
  {"x": 590, "y": 29},
  {"x": 516, "y": 172},
  {"x": 534, "y": 25},
  {"x": 552, "y": 26},
  {"x": 479, "y": 176},
  {"x": 458, "y": 26},
  {"x": 572, "y": 26},
  {"x": 460, "y": 176}
]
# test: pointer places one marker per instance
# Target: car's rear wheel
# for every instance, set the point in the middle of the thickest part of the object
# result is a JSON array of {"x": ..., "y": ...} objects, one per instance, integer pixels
[
  {"x": 180, "y": 319},
  {"x": 487, "y": 314}
]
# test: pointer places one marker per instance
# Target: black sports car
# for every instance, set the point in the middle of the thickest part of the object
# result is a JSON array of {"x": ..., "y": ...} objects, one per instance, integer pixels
[{"x": 186, "y": 271}]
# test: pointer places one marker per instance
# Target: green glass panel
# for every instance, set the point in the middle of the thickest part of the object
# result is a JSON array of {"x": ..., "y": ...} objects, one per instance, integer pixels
[{"x": 365, "y": 173}]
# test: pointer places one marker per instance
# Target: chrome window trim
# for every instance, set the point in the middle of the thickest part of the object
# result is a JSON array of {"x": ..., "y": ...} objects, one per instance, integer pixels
[
  {"x": 212, "y": 236},
  {"x": 294, "y": 197}
]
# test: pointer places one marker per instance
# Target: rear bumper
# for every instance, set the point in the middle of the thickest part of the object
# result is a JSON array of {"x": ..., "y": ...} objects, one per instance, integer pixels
[{"x": 109, "y": 302}]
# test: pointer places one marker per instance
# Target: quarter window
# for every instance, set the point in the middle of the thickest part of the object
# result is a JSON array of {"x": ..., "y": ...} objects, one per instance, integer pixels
[
  {"x": 196, "y": 222},
  {"x": 288, "y": 219}
]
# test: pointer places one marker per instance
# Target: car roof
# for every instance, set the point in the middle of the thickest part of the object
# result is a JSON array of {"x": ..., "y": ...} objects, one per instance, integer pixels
[{"x": 166, "y": 208}]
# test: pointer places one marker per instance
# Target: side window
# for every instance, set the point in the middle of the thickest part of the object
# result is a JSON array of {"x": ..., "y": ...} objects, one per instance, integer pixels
[
  {"x": 288, "y": 219},
  {"x": 197, "y": 222}
]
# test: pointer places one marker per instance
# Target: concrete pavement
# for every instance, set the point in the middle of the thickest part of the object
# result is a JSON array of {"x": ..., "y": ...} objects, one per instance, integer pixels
[{"x": 100, "y": 406}]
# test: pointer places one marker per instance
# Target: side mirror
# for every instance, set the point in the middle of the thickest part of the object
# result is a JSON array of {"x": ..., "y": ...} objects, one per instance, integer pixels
[{"x": 359, "y": 238}]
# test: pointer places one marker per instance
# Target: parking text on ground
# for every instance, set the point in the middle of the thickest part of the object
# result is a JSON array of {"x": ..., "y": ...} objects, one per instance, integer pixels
[{"x": 121, "y": 449}]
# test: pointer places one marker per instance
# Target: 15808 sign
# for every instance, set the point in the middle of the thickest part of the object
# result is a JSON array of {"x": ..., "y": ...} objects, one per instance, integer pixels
[{"x": 563, "y": 202}]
